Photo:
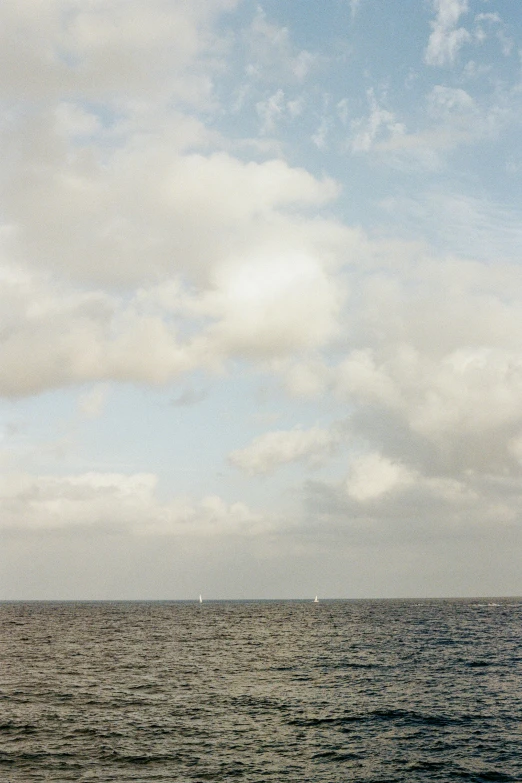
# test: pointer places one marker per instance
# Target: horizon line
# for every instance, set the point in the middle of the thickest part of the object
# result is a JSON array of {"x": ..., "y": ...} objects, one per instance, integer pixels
[{"x": 253, "y": 599}]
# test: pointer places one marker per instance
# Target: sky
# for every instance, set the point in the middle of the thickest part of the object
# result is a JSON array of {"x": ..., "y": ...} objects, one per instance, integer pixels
[{"x": 260, "y": 298}]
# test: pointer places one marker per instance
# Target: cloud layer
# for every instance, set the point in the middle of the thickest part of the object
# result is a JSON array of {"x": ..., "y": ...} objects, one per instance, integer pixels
[
  {"x": 203, "y": 196},
  {"x": 117, "y": 503}
]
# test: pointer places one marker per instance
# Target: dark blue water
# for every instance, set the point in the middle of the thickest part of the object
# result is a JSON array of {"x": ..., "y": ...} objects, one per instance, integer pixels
[{"x": 261, "y": 691}]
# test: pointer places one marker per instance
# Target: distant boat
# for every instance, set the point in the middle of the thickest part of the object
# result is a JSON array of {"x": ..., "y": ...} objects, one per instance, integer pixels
[
  {"x": 316, "y": 600},
  {"x": 200, "y": 599}
]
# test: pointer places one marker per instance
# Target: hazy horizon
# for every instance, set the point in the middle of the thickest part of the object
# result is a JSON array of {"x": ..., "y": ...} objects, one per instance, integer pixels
[{"x": 253, "y": 599}]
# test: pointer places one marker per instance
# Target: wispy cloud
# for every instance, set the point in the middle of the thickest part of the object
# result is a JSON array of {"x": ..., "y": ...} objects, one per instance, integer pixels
[
  {"x": 447, "y": 38},
  {"x": 273, "y": 449},
  {"x": 378, "y": 125},
  {"x": 354, "y": 6}
]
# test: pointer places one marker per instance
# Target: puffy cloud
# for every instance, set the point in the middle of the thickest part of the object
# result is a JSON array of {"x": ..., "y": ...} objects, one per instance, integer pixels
[
  {"x": 104, "y": 177},
  {"x": 128, "y": 225},
  {"x": 262, "y": 307},
  {"x": 55, "y": 336},
  {"x": 273, "y": 304},
  {"x": 115, "y": 502},
  {"x": 105, "y": 48},
  {"x": 142, "y": 208},
  {"x": 435, "y": 353},
  {"x": 383, "y": 502},
  {"x": 374, "y": 475},
  {"x": 267, "y": 452},
  {"x": 446, "y": 38}
]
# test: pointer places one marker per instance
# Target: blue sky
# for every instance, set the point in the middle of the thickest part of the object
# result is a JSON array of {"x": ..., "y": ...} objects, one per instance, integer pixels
[{"x": 261, "y": 298}]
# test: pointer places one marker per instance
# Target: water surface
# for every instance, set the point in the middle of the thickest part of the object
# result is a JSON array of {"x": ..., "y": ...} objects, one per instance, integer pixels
[{"x": 358, "y": 691}]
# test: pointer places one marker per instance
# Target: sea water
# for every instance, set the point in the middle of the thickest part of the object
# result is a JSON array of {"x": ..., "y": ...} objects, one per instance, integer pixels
[{"x": 279, "y": 691}]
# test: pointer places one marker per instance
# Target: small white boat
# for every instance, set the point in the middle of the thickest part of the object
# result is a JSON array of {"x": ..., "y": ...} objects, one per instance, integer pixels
[
  {"x": 316, "y": 600},
  {"x": 200, "y": 599}
]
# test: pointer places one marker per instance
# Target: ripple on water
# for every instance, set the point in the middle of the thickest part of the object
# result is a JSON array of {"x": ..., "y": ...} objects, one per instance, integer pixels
[{"x": 264, "y": 691}]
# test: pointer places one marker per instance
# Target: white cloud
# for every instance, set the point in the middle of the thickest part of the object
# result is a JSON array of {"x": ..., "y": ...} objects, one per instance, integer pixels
[
  {"x": 277, "y": 108},
  {"x": 484, "y": 22},
  {"x": 380, "y": 124},
  {"x": 141, "y": 209},
  {"x": 271, "y": 111},
  {"x": 128, "y": 234},
  {"x": 453, "y": 118},
  {"x": 446, "y": 38},
  {"x": 440, "y": 363},
  {"x": 444, "y": 101},
  {"x": 115, "y": 502},
  {"x": 320, "y": 137},
  {"x": 110, "y": 48},
  {"x": 272, "y": 55},
  {"x": 54, "y": 336},
  {"x": 263, "y": 306},
  {"x": 373, "y": 475},
  {"x": 273, "y": 449},
  {"x": 343, "y": 110},
  {"x": 302, "y": 64},
  {"x": 273, "y": 304}
]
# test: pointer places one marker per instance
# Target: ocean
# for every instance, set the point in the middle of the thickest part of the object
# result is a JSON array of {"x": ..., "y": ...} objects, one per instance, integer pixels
[{"x": 261, "y": 691}]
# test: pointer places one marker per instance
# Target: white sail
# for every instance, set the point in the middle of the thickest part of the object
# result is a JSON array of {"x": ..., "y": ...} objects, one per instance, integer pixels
[{"x": 316, "y": 600}]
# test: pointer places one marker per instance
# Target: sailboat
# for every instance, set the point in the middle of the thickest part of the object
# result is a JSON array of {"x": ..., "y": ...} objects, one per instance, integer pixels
[
  {"x": 316, "y": 600},
  {"x": 200, "y": 599}
]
